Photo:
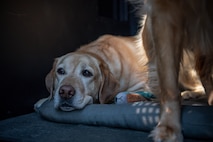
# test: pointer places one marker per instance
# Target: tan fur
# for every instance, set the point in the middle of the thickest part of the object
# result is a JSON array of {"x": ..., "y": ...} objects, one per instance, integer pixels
[
  {"x": 116, "y": 64},
  {"x": 172, "y": 28}
]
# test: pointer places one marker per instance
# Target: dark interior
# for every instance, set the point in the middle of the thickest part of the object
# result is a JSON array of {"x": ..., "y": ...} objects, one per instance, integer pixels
[{"x": 34, "y": 32}]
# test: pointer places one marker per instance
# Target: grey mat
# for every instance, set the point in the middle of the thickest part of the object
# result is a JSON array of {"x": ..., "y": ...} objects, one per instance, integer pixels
[
  {"x": 32, "y": 128},
  {"x": 197, "y": 121}
]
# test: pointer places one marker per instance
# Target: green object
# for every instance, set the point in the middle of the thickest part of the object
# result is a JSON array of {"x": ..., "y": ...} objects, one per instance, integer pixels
[{"x": 145, "y": 94}]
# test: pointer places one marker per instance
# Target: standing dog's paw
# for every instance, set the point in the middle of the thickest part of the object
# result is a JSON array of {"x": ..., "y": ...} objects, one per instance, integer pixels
[{"x": 163, "y": 133}]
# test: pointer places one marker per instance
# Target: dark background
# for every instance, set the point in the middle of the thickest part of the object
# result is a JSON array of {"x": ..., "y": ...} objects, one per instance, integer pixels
[{"x": 34, "y": 32}]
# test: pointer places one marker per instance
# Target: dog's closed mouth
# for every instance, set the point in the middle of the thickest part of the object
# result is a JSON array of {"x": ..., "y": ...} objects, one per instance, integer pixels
[{"x": 66, "y": 107}]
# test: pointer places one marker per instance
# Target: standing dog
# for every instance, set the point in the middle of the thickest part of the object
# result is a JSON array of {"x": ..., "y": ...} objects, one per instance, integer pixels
[{"x": 171, "y": 26}]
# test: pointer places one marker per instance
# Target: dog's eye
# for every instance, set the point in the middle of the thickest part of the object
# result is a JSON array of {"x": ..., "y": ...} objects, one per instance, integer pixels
[
  {"x": 87, "y": 73},
  {"x": 60, "y": 71}
]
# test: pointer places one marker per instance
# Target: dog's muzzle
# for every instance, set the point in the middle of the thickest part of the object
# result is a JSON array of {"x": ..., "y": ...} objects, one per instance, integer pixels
[{"x": 66, "y": 93}]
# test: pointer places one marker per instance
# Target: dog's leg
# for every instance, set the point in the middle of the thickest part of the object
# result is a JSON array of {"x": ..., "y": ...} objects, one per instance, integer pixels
[
  {"x": 166, "y": 36},
  {"x": 205, "y": 69},
  {"x": 40, "y": 102},
  {"x": 169, "y": 128},
  {"x": 189, "y": 78}
]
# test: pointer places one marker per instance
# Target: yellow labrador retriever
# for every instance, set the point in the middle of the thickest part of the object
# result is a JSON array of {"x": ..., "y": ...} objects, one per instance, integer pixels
[{"x": 96, "y": 72}]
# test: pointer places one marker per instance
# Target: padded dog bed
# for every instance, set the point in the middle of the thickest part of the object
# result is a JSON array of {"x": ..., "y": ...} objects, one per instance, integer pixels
[
  {"x": 197, "y": 121},
  {"x": 103, "y": 123}
]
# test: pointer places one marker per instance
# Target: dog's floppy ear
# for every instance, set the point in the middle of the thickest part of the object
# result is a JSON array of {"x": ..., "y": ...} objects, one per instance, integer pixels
[
  {"x": 49, "y": 80},
  {"x": 109, "y": 85}
]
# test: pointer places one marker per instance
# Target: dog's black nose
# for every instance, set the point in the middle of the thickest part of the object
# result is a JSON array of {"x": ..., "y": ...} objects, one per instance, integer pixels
[{"x": 66, "y": 91}]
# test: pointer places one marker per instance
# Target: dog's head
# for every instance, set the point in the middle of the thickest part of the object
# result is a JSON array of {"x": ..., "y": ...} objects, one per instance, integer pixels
[{"x": 78, "y": 79}]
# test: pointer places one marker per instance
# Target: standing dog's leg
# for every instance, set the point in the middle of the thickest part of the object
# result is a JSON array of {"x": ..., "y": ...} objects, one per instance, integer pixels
[{"x": 166, "y": 32}]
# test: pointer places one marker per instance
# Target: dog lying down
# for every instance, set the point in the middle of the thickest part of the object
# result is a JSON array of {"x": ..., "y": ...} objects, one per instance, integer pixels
[{"x": 98, "y": 71}]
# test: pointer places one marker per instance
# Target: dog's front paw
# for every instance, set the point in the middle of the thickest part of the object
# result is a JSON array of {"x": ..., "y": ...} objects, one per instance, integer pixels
[
  {"x": 38, "y": 104},
  {"x": 163, "y": 133}
]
